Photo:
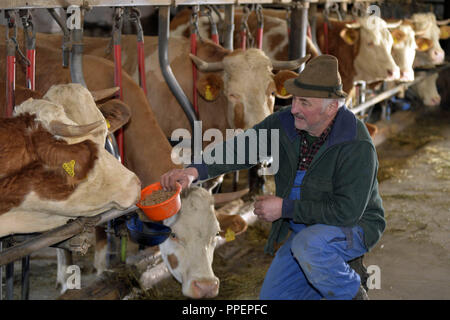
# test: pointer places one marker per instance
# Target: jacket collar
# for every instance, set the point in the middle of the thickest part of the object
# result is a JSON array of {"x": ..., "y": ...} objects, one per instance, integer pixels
[{"x": 343, "y": 130}]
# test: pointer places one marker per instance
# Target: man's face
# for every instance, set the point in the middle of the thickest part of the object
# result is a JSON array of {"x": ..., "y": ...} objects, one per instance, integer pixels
[{"x": 309, "y": 114}]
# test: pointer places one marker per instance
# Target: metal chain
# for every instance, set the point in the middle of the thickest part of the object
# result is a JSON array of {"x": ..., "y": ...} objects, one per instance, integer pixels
[
  {"x": 12, "y": 25},
  {"x": 194, "y": 21}
]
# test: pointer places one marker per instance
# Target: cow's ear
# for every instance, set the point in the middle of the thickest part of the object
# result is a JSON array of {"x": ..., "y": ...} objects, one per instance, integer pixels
[
  {"x": 445, "y": 32},
  {"x": 279, "y": 79},
  {"x": 398, "y": 35},
  {"x": 209, "y": 86},
  {"x": 116, "y": 114},
  {"x": 424, "y": 44},
  {"x": 231, "y": 225},
  {"x": 350, "y": 36}
]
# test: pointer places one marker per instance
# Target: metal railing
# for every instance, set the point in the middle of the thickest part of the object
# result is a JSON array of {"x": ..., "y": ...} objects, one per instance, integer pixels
[{"x": 397, "y": 89}]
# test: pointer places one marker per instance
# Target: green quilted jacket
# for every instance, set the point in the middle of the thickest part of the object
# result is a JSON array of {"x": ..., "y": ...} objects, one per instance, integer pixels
[{"x": 340, "y": 187}]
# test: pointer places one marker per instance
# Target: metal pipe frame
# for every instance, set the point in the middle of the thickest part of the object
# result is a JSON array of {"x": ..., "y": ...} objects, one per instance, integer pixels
[
  {"x": 391, "y": 92},
  {"x": 229, "y": 27},
  {"x": 76, "y": 57},
  {"x": 163, "y": 54},
  {"x": 299, "y": 26},
  {"x": 59, "y": 234}
]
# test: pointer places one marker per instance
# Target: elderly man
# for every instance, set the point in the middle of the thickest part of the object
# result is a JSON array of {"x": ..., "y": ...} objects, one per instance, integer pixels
[{"x": 327, "y": 203}]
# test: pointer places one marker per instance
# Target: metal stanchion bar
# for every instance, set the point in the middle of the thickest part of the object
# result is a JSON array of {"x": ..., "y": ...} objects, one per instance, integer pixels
[
  {"x": 58, "y": 235},
  {"x": 26, "y": 278},
  {"x": 229, "y": 27},
  {"x": 299, "y": 26},
  {"x": 166, "y": 70}
]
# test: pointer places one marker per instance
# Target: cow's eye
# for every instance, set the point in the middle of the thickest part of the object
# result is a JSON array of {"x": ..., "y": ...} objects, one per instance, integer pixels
[
  {"x": 370, "y": 43},
  {"x": 218, "y": 234},
  {"x": 173, "y": 235}
]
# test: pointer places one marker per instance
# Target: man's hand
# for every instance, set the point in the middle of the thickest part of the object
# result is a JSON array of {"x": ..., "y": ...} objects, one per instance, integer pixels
[
  {"x": 182, "y": 176},
  {"x": 268, "y": 208}
]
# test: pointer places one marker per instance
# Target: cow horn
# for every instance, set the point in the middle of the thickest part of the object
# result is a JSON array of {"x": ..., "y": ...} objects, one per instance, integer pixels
[
  {"x": 289, "y": 65},
  {"x": 443, "y": 22},
  {"x": 354, "y": 25},
  {"x": 204, "y": 66},
  {"x": 419, "y": 33},
  {"x": 393, "y": 25},
  {"x": 105, "y": 93},
  {"x": 220, "y": 198},
  {"x": 67, "y": 130}
]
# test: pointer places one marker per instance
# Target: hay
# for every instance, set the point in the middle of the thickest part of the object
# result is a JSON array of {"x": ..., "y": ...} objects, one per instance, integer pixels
[{"x": 440, "y": 159}]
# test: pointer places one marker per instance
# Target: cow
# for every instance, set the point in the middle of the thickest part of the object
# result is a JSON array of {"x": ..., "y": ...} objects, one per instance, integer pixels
[
  {"x": 404, "y": 51},
  {"x": 274, "y": 43},
  {"x": 427, "y": 28},
  {"x": 429, "y": 53},
  {"x": 147, "y": 151},
  {"x": 54, "y": 168},
  {"x": 352, "y": 43},
  {"x": 196, "y": 229},
  {"x": 226, "y": 99}
]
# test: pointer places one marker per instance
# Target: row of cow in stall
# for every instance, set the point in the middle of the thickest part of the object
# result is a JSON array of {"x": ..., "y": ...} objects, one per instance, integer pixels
[
  {"x": 364, "y": 48},
  {"x": 228, "y": 100}
]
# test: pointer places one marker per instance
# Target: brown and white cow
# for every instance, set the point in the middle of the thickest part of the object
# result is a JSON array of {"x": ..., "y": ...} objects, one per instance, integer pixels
[
  {"x": 427, "y": 28},
  {"x": 429, "y": 53},
  {"x": 352, "y": 43},
  {"x": 147, "y": 151},
  {"x": 61, "y": 169},
  {"x": 196, "y": 229},
  {"x": 275, "y": 40},
  {"x": 404, "y": 50},
  {"x": 227, "y": 99}
]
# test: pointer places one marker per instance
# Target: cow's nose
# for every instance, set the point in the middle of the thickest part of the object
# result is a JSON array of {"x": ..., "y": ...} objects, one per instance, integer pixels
[
  {"x": 205, "y": 288},
  {"x": 435, "y": 101},
  {"x": 406, "y": 75},
  {"x": 437, "y": 56}
]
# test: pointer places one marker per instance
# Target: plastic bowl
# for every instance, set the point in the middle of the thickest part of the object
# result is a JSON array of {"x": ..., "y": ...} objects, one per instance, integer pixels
[
  {"x": 161, "y": 210},
  {"x": 147, "y": 233}
]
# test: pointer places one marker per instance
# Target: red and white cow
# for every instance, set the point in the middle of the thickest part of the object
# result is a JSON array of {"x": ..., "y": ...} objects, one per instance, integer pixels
[
  {"x": 429, "y": 53},
  {"x": 61, "y": 169},
  {"x": 147, "y": 151},
  {"x": 352, "y": 43}
]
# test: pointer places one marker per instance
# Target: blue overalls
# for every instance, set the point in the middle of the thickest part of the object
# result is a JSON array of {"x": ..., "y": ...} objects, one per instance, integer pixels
[{"x": 311, "y": 264}]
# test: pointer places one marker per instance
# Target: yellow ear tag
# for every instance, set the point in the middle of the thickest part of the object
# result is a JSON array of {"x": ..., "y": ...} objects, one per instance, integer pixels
[
  {"x": 395, "y": 40},
  {"x": 444, "y": 34},
  {"x": 229, "y": 235},
  {"x": 107, "y": 123},
  {"x": 208, "y": 93},
  {"x": 424, "y": 47},
  {"x": 69, "y": 167},
  {"x": 283, "y": 91},
  {"x": 349, "y": 39}
]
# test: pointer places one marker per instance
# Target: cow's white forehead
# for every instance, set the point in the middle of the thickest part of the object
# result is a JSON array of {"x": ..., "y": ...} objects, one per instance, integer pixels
[
  {"x": 71, "y": 104},
  {"x": 79, "y": 106},
  {"x": 196, "y": 216},
  {"x": 44, "y": 110},
  {"x": 409, "y": 41},
  {"x": 426, "y": 23},
  {"x": 252, "y": 60},
  {"x": 375, "y": 29}
]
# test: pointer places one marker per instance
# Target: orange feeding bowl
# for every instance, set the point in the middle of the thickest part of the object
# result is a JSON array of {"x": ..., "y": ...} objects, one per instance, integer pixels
[{"x": 163, "y": 210}]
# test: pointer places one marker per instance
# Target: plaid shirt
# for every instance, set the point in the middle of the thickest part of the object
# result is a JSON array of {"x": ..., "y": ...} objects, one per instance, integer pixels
[{"x": 309, "y": 150}]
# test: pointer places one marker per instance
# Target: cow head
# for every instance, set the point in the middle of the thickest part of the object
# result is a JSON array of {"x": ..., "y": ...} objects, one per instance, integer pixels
[
  {"x": 71, "y": 115},
  {"x": 188, "y": 252},
  {"x": 247, "y": 81},
  {"x": 428, "y": 33},
  {"x": 427, "y": 90},
  {"x": 375, "y": 44},
  {"x": 404, "y": 51}
]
